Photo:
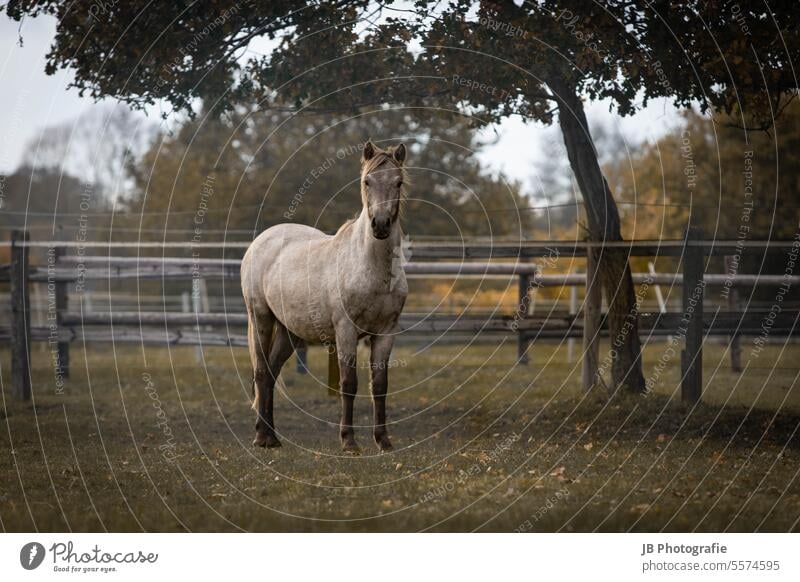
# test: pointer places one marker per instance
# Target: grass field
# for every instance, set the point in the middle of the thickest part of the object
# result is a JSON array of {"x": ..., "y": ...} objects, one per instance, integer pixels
[{"x": 157, "y": 441}]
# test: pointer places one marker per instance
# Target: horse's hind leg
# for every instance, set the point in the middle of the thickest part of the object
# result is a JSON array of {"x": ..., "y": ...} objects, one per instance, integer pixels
[
  {"x": 259, "y": 340},
  {"x": 283, "y": 346}
]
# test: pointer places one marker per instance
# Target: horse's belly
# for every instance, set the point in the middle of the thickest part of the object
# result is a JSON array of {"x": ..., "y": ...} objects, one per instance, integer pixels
[
  {"x": 313, "y": 321},
  {"x": 303, "y": 313}
]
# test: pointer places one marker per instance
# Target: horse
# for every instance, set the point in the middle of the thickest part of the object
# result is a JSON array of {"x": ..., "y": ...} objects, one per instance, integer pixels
[{"x": 301, "y": 285}]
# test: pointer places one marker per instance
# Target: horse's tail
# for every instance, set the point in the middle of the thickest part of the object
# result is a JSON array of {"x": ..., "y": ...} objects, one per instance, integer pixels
[
  {"x": 259, "y": 342},
  {"x": 251, "y": 324}
]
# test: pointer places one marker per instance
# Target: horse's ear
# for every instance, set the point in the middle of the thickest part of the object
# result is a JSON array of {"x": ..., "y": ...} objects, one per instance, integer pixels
[
  {"x": 399, "y": 153},
  {"x": 369, "y": 151}
]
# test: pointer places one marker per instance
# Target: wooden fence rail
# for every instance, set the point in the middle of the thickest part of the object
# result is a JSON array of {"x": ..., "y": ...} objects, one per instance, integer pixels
[{"x": 431, "y": 259}]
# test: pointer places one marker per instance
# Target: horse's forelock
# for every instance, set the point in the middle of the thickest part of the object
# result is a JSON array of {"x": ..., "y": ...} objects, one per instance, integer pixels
[{"x": 378, "y": 160}]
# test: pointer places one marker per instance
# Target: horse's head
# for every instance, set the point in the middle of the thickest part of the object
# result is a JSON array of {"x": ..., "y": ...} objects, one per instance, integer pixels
[{"x": 382, "y": 177}]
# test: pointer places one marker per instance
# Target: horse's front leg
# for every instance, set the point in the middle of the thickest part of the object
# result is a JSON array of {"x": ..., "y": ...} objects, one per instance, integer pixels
[
  {"x": 379, "y": 365},
  {"x": 346, "y": 348}
]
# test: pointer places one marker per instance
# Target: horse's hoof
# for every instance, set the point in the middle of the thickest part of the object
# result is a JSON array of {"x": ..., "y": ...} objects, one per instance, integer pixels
[
  {"x": 351, "y": 449},
  {"x": 266, "y": 441},
  {"x": 384, "y": 444}
]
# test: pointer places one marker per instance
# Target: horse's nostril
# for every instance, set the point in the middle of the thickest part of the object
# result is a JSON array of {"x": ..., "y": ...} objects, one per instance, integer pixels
[{"x": 374, "y": 223}]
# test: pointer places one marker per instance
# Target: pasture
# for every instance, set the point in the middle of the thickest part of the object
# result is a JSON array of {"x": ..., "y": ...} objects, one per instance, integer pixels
[{"x": 151, "y": 439}]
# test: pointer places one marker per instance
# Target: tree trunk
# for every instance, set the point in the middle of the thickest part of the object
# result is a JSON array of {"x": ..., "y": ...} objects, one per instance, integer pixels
[{"x": 604, "y": 225}]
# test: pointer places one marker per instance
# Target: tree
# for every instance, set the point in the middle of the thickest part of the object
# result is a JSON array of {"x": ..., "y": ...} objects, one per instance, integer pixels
[
  {"x": 744, "y": 184},
  {"x": 97, "y": 146},
  {"x": 489, "y": 58},
  {"x": 40, "y": 195},
  {"x": 253, "y": 169},
  {"x": 737, "y": 185},
  {"x": 52, "y": 203}
]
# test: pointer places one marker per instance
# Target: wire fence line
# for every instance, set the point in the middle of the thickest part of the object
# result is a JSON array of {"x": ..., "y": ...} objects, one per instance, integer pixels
[
  {"x": 467, "y": 248},
  {"x": 530, "y": 208}
]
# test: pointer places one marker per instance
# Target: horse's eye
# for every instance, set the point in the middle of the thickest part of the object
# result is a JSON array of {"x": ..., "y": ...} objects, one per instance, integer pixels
[{"x": 366, "y": 182}]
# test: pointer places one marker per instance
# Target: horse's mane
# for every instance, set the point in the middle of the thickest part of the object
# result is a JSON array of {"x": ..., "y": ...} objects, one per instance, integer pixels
[{"x": 348, "y": 223}]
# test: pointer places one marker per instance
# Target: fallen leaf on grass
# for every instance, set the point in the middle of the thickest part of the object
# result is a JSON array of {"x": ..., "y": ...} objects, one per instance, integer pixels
[
  {"x": 641, "y": 508},
  {"x": 588, "y": 446}
]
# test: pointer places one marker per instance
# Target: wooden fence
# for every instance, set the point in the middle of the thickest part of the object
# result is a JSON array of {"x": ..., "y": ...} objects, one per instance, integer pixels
[{"x": 511, "y": 259}]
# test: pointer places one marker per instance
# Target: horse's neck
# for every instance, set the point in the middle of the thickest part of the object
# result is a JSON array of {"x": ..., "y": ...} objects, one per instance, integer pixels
[{"x": 375, "y": 255}]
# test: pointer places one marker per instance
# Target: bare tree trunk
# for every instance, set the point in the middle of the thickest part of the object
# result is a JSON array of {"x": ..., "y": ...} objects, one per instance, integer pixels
[{"x": 604, "y": 225}]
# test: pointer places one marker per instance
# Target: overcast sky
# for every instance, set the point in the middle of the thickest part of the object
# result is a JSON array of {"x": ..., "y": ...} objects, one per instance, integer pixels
[{"x": 31, "y": 101}]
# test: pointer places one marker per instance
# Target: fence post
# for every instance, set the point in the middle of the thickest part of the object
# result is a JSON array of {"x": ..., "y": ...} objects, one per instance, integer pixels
[
  {"x": 592, "y": 315},
  {"x": 692, "y": 354},
  {"x": 662, "y": 305},
  {"x": 733, "y": 305},
  {"x": 20, "y": 317},
  {"x": 196, "y": 307},
  {"x": 62, "y": 304},
  {"x": 524, "y": 301},
  {"x": 573, "y": 310}
]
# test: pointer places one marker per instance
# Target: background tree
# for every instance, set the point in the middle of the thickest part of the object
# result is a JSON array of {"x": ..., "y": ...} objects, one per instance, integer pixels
[
  {"x": 97, "y": 147},
  {"x": 252, "y": 169},
  {"x": 51, "y": 203},
  {"x": 40, "y": 196},
  {"x": 743, "y": 184},
  {"x": 737, "y": 185}
]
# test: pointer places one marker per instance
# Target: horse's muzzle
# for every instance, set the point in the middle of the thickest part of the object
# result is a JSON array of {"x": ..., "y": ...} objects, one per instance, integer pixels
[{"x": 381, "y": 227}]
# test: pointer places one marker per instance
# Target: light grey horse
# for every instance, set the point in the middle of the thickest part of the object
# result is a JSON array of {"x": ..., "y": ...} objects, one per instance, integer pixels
[{"x": 302, "y": 285}]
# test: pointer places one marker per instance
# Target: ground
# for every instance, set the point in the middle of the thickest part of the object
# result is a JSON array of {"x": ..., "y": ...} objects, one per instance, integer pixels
[{"x": 160, "y": 441}]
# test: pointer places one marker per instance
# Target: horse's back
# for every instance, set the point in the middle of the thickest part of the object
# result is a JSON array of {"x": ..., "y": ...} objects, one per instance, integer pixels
[
  {"x": 287, "y": 233},
  {"x": 266, "y": 249}
]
